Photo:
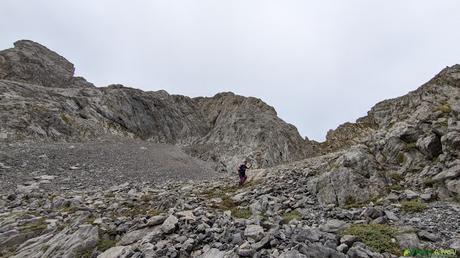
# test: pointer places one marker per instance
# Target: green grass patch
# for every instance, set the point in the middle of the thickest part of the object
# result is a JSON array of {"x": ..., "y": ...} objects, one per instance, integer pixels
[
  {"x": 87, "y": 253},
  {"x": 375, "y": 236},
  {"x": 396, "y": 187},
  {"x": 224, "y": 191},
  {"x": 39, "y": 225},
  {"x": 401, "y": 158},
  {"x": 105, "y": 244},
  {"x": 410, "y": 146},
  {"x": 288, "y": 216},
  {"x": 242, "y": 213},
  {"x": 430, "y": 183},
  {"x": 350, "y": 202},
  {"x": 227, "y": 204},
  {"x": 45, "y": 248},
  {"x": 396, "y": 177},
  {"x": 413, "y": 206}
]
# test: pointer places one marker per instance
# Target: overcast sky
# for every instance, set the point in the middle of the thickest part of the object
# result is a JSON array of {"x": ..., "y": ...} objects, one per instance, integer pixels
[{"x": 319, "y": 63}]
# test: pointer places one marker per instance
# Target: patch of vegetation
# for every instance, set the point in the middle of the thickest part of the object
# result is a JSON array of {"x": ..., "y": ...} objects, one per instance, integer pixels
[
  {"x": 45, "y": 248},
  {"x": 446, "y": 108},
  {"x": 86, "y": 253},
  {"x": 430, "y": 182},
  {"x": 69, "y": 209},
  {"x": 146, "y": 198},
  {"x": 457, "y": 198},
  {"x": 401, "y": 158},
  {"x": 105, "y": 244},
  {"x": 396, "y": 177},
  {"x": 227, "y": 203},
  {"x": 350, "y": 202},
  {"x": 396, "y": 187},
  {"x": 333, "y": 166},
  {"x": 410, "y": 146},
  {"x": 109, "y": 195},
  {"x": 89, "y": 220},
  {"x": 39, "y": 225},
  {"x": 224, "y": 191},
  {"x": 413, "y": 206},
  {"x": 242, "y": 213},
  {"x": 288, "y": 216},
  {"x": 66, "y": 118},
  {"x": 378, "y": 237}
]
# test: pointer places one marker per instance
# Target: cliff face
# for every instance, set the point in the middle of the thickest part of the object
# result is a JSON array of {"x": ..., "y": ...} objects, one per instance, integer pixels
[{"x": 42, "y": 100}]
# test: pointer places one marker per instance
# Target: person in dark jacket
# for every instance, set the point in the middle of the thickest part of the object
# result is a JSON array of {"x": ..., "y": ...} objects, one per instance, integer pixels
[{"x": 242, "y": 172}]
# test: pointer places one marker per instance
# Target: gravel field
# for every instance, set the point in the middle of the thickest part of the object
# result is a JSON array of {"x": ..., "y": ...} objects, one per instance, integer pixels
[{"x": 102, "y": 163}]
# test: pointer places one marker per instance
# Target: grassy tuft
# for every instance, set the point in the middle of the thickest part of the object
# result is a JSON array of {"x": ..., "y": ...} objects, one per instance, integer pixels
[
  {"x": 410, "y": 146},
  {"x": 376, "y": 236},
  {"x": 45, "y": 248},
  {"x": 105, "y": 244},
  {"x": 401, "y": 158},
  {"x": 444, "y": 108},
  {"x": 38, "y": 225},
  {"x": 288, "y": 216},
  {"x": 242, "y": 213},
  {"x": 396, "y": 177},
  {"x": 413, "y": 206}
]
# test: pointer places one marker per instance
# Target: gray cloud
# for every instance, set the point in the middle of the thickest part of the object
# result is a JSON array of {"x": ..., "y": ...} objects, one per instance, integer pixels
[{"x": 319, "y": 63}]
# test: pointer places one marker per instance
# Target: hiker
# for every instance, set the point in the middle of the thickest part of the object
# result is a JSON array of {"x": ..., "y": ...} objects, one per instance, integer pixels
[{"x": 242, "y": 172}]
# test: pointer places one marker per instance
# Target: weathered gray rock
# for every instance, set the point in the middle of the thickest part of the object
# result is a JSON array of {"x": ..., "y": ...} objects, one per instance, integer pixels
[
  {"x": 425, "y": 235},
  {"x": 430, "y": 146},
  {"x": 355, "y": 179},
  {"x": 170, "y": 224},
  {"x": 156, "y": 220},
  {"x": 117, "y": 252},
  {"x": 133, "y": 236},
  {"x": 408, "y": 240},
  {"x": 213, "y": 253},
  {"x": 455, "y": 244},
  {"x": 333, "y": 226},
  {"x": 454, "y": 186},
  {"x": 292, "y": 254},
  {"x": 348, "y": 240},
  {"x": 33, "y": 63},
  {"x": 360, "y": 252},
  {"x": 255, "y": 232},
  {"x": 410, "y": 195},
  {"x": 450, "y": 173}
]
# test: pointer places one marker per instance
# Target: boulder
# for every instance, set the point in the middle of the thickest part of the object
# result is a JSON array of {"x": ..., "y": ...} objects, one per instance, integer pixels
[
  {"x": 170, "y": 224},
  {"x": 333, "y": 226},
  {"x": 408, "y": 240},
  {"x": 255, "y": 232},
  {"x": 431, "y": 146}
]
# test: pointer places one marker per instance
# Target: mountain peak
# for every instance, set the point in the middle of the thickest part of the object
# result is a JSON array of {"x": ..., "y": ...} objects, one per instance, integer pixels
[{"x": 34, "y": 63}]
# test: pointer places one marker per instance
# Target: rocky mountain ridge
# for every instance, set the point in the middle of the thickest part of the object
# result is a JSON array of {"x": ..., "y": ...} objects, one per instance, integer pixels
[{"x": 42, "y": 100}]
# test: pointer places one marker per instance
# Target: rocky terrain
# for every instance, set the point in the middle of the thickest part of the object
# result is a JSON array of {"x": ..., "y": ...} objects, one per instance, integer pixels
[{"x": 118, "y": 172}]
